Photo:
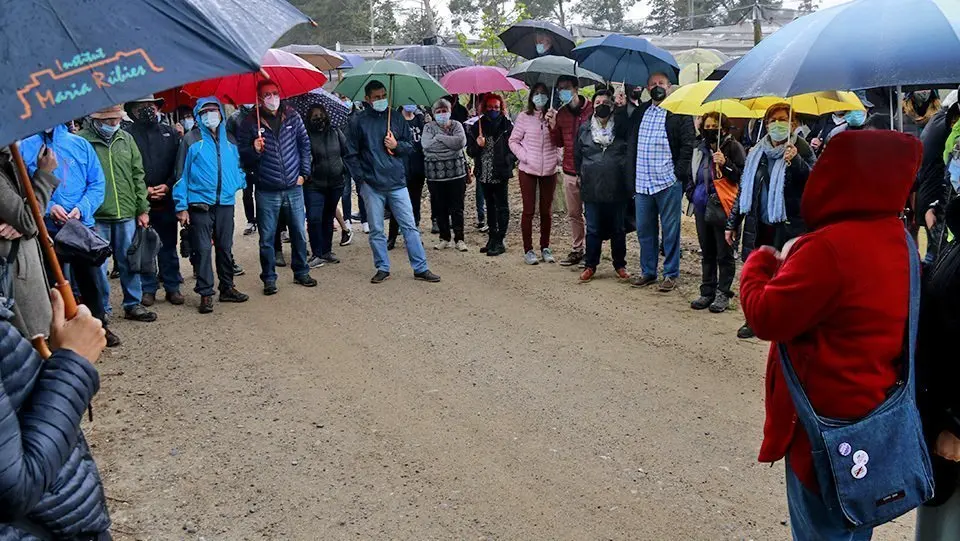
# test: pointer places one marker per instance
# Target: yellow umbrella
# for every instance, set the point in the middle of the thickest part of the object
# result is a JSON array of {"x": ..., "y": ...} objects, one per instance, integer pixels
[
  {"x": 814, "y": 103},
  {"x": 688, "y": 100}
]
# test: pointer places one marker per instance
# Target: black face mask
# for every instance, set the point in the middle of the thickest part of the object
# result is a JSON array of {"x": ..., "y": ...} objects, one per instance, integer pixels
[
  {"x": 711, "y": 137},
  {"x": 318, "y": 124},
  {"x": 147, "y": 116},
  {"x": 658, "y": 93},
  {"x": 637, "y": 94},
  {"x": 603, "y": 111}
]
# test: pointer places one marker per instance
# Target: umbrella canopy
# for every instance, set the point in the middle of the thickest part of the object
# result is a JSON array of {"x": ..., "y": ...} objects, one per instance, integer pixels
[
  {"x": 74, "y": 58},
  {"x": 411, "y": 85},
  {"x": 522, "y": 38},
  {"x": 434, "y": 59},
  {"x": 292, "y": 74},
  {"x": 697, "y": 64},
  {"x": 547, "y": 69},
  {"x": 351, "y": 60},
  {"x": 723, "y": 69},
  {"x": 336, "y": 110},
  {"x": 861, "y": 44},
  {"x": 689, "y": 100},
  {"x": 175, "y": 98},
  {"x": 322, "y": 58},
  {"x": 626, "y": 59},
  {"x": 812, "y": 103},
  {"x": 479, "y": 80}
]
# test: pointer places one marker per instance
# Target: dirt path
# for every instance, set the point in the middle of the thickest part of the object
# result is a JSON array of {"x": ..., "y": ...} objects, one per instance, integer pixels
[{"x": 507, "y": 402}]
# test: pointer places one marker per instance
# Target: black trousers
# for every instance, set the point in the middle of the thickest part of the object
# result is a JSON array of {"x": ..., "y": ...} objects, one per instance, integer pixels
[
  {"x": 215, "y": 225},
  {"x": 718, "y": 263},
  {"x": 498, "y": 210},
  {"x": 249, "y": 206},
  {"x": 415, "y": 188},
  {"x": 447, "y": 196}
]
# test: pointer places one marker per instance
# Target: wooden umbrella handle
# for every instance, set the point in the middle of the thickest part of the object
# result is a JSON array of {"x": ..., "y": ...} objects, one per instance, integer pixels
[{"x": 46, "y": 243}]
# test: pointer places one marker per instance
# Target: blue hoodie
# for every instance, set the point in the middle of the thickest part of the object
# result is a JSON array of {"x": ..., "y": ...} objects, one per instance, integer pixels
[
  {"x": 208, "y": 171},
  {"x": 82, "y": 183}
]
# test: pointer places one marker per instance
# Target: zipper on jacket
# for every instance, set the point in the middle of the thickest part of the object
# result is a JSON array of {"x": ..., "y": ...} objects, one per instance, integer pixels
[
  {"x": 219, "y": 174},
  {"x": 113, "y": 177}
]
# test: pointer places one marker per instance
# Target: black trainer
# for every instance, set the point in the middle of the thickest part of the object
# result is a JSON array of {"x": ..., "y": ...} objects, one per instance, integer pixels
[
  {"x": 232, "y": 295},
  {"x": 206, "y": 305},
  {"x": 330, "y": 257},
  {"x": 306, "y": 281},
  {"x": 139, "y": 313},
  {"x": 270, "y": 288},
  {"x": 112, "y": 339},
  {"x": 379, "y": 277},
  {"x": 745, "y": 332},
  {"x": 427, "y": 276},
  {"x": 702, "y": 303}
]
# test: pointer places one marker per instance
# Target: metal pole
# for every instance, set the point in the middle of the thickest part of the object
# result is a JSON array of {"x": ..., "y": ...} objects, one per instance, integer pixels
[
  {"x": 372, "y": 41},
  {"x": 690, "y": 13},
  {"x": 900, "y": 105}
]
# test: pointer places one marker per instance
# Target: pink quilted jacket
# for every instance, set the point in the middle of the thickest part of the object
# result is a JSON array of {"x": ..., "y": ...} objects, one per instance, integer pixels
[{"x": 532, "y": 145}]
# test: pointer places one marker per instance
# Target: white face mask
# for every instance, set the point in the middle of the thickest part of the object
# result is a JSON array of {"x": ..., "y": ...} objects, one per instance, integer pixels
[
  {"x": 272, "y": 103},
  {"x": 211, "y": 119},
  {"x": 188, "y": 124}
]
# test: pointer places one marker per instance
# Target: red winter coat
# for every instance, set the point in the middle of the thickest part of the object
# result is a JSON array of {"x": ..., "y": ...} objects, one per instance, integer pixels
[
  {"x": 565, "y": 132},
  {"x": 839, "y": 300}
]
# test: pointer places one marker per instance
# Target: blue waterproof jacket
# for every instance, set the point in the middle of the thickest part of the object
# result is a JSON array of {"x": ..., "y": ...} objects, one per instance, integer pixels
[
  {"x": 286, "y": 154},
  {"x": 48, "y": 479},
  {"x": 367, "y": 158},
  {"x": 82, "y": 183},
  {"x": 208, "y": 170}
]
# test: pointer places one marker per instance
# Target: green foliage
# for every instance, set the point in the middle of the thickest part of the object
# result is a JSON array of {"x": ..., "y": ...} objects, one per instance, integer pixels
[
  {"x": 808, "y": 6},
  {"x": 605, "y": 14},
  {"x": 346, "y": 21}
]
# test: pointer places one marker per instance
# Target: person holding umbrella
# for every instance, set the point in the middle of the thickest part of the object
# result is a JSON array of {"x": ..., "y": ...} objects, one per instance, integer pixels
[
  {"x": 487, "y": 144},
  {"x": 274, "y": 145},
  {"x": 377, "y": 144}
]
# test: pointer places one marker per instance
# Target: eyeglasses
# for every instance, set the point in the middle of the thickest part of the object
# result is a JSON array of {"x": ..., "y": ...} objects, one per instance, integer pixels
[{"x": 270, "y": 94}]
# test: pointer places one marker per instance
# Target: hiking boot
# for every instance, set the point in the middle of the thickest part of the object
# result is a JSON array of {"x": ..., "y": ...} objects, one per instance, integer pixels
[
  {"x": 346, "y": 237},
  {"x": 622, "y": 274},
  {"x": 330, "y": 257},
  {"x": 461, "y": 246},
  {"x": 315, "y": 262},
  {"x": 426, "y": 276},
  {"x": 114, "y": 274},
  {"x": 720, "y": 303},
  {"x": 237, "y": 269},
  {"x": 285, "y": 236},
  {"x": 668, "y": 285},
  {"x": 379, "y": 277},
  {"x": 442, "y": 245},
  {"x": 112, "y": 339},
  {"x": 232, "y": 295},
  {"x": 745, "y": 332},
  {"x": 270, "y": 288},
  {"x": 391, "y": 244},
  {"x": 530, "y": 258},
  {"x": 139, "y": 313},
  {"x": 572, "y": 259},
  {"x": 175, "y": 298},
  {"x": 148, "y": 299},
  {"x": 306, "y": 281},
  {"x": 434, "y": 229},
  {"x": 206, "y": 304},
  {"x": 280, "y": 261},
  {"x": 702, "y": 302},
  {"x": 366, "y": 227},
  {"x": 250, "y": 229},
  {"x": 587, "y": 275},
  {"x": 547, "y": 255},
  {"x": 495, "y": 248},
  {"x": 643, "y": 281}
]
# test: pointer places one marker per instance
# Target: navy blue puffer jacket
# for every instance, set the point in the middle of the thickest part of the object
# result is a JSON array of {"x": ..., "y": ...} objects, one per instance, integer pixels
[
  {"x": 286, "y": 154},
  {"x": 48, "y": 478}
]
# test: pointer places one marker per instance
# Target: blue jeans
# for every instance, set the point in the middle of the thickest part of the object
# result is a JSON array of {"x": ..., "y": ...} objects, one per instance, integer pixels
[
  {"x": 402, "y": 209},
  {"x": 665, "y": 206},
  {"x": 321, "y": 212},
  {"x": 168, "y": 259},
  {"x": 269, "y": 206},
  {"x": 481, "y": 215},
  {"x": 120, "y": 236},
  {"x": 809, "y": 519}
]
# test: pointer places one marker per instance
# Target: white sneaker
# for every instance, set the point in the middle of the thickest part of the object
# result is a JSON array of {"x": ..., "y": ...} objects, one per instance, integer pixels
[
  {"x": 442, "y": 245},
  {"x": 530, "y": 258},
  {"x": 366, "y": 227},
  {"x": 547, "y": 254},
  {"x": 461, "y": 246}
]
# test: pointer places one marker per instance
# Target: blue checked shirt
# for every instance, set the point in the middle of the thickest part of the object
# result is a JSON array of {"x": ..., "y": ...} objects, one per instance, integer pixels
[{"x": 654, "y": 161}]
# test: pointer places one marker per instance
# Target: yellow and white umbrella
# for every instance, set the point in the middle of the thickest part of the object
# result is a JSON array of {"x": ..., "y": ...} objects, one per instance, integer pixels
[{"x": 688, "y": 100}]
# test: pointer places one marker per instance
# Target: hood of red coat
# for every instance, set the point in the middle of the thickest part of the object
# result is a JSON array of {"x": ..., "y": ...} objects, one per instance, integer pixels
[{"x": 861, "y": 175}]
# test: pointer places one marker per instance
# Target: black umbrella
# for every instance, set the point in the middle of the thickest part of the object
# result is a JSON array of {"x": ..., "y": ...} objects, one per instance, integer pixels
[
  {"x": 434, "y": 59},
  {"x": 524, "y": 37},
  {"x": 722, "y": 70}
]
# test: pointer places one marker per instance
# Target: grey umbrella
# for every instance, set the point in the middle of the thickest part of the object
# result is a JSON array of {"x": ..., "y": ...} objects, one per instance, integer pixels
[
  {"x": 434, "y": 59},
  {"x": 547, "y": 69}
]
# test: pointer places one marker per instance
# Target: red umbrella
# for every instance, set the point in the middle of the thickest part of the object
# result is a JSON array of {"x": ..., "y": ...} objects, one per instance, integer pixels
[
  {"x": 292, "y": 74},
  {"x": 174, "y": 98},
  {"x": 480, "y": 80}
]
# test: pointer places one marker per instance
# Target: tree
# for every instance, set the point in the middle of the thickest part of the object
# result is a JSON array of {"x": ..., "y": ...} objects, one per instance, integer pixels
[
  {"x": 705, "y": 13},
  {"x": 738, "y": 10},
  {"x": 605, "y": 14},
  {"x": 663, "y": 17},
  {"x": 350, "y": 25},
  {"x": 808, "y": 6},
  {"x": 548, "y": 10},
  {"x": 418, "y": 26}
]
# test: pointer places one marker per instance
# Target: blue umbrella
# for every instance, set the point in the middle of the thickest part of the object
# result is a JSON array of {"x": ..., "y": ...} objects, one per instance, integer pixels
[
  {"x": 351, "y": 61},
  {"x": 74, "y": 58},
  {"x": 862, "y": 44},
  {"x": 626, "y": 59}
]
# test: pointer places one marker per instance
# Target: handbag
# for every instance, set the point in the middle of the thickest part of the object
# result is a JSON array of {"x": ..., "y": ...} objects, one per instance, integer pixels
[
  {"x": 714, "y": 214},
  {"x": 76, "y": 242},
  {"x": 877, "y": 468},
  {"x": 143, "y": 250}
]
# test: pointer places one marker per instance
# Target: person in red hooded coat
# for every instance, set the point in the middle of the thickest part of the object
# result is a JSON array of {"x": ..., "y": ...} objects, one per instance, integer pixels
[{"x": 837, "y": 297}]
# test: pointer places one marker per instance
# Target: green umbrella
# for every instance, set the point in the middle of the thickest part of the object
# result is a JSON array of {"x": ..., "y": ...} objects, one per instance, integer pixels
[
  {"x": 547, "y": 69},
  {"x": 406, "y": 83}
]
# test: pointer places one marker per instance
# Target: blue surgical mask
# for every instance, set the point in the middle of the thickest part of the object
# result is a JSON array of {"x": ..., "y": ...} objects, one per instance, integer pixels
[
  {"x": 954, "y": 169},
  {"x": 106, "y": 130},
  {"x": 541, "y": 48},
  {"x": 779, "y": 130},
  {"x": 410, "y": 108},
  {"x": 493, "y": 115},
  {"x": 348, "y": 104},
  {"x": 188, "y": 124},
  {"x": 855, "y": 119},
  {"x": 566, "y": 96},
  {"x": 442, "y": 118},
  {"x": 211, "y": 119},
  {"x": 380, "y": 105},
  {"x": 540, "y": 100}
]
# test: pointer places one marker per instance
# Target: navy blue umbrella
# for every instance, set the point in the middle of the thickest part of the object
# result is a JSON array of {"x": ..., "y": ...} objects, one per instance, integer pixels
[
  {"x": 626, "y": 59},
  {"x": 351, "y": 60},
  {"x": 862, "y": 44},
  {"x": 337, "y": 112},
  {"x": 63, "y": 59},
  {"x": 722, "y": 70}
]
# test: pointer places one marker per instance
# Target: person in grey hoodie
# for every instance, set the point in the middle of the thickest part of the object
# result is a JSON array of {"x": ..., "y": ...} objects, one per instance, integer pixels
[{"x": 444, "y": 142}]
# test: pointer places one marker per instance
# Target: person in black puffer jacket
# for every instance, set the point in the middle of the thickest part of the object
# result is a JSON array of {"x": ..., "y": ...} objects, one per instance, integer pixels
[
  {"x": 324, "y": 186},
  {"x": 600, "y": 151},
  {"x": 487, "y": 144},
  {"x": 49, "y": 484}
]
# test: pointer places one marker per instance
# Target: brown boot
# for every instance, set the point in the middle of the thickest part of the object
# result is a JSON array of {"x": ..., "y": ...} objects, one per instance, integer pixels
[
  {"x": 206, "y": 304},
  {"x": 148, "y": 299},
  {"x": 175, "y": 298}
]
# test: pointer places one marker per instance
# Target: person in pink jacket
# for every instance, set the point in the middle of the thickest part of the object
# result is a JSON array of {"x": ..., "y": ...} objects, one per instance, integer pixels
[{"x": 539, "y": 156}]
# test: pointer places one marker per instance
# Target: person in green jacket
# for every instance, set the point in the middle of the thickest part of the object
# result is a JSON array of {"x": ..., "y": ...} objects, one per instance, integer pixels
[{"x": 124, "y": 205}]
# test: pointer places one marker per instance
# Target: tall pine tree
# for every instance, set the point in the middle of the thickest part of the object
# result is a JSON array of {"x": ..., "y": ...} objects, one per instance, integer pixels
[
  {"x": 344, "y": 21},
  {"x": 663, "y": 17}
]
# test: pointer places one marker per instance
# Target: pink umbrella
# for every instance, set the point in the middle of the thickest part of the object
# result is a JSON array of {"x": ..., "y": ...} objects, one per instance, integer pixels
[
  {"x": 294, "y": 76},
  {"x": 480, "y": 80}
]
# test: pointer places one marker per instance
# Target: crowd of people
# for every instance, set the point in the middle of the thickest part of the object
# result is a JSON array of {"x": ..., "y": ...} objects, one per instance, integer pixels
[{"x": 624, "y": 164}]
